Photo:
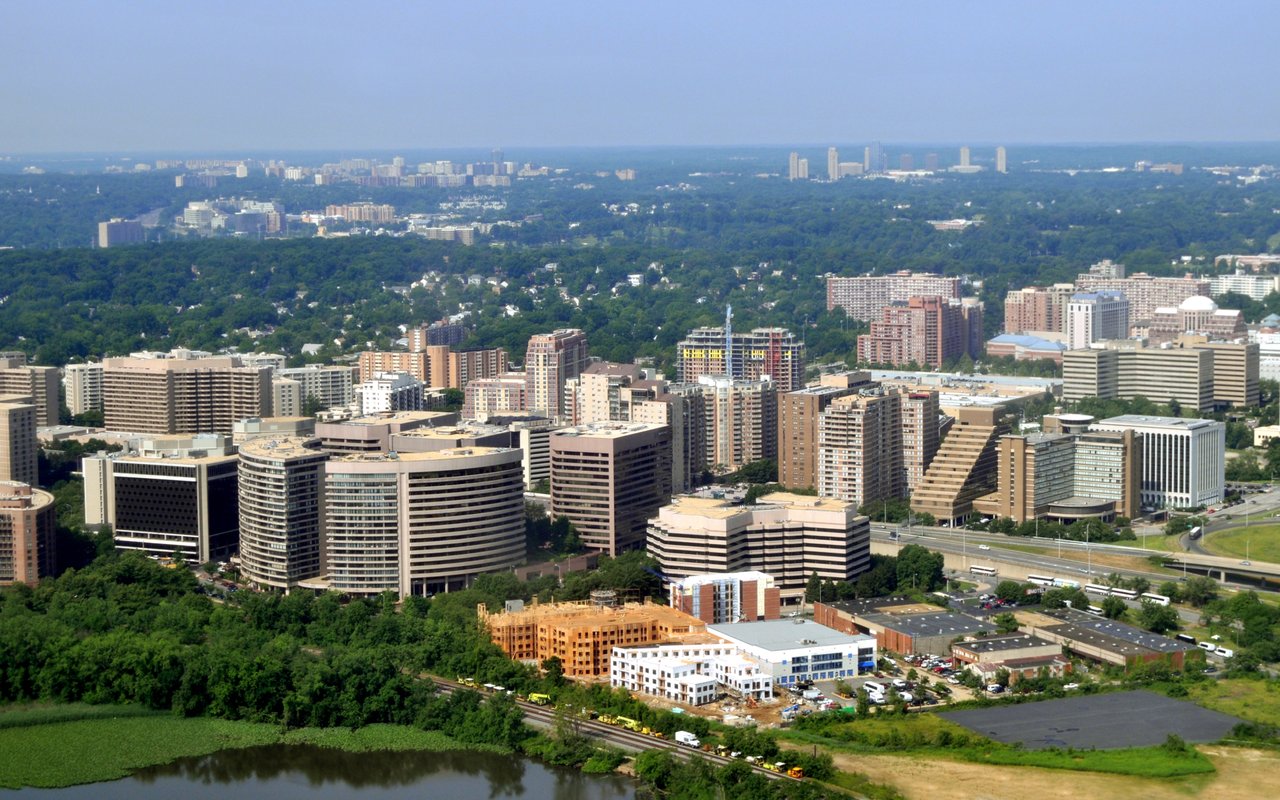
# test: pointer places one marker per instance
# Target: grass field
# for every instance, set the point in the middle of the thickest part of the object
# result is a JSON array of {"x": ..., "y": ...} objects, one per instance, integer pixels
[
  {"x": 1259, "y": 542},
  {"x": 56, "y": 746},
  {"x": 1254, "y": 700}
]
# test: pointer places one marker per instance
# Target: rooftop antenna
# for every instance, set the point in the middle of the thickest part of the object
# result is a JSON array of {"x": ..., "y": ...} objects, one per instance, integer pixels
[{"x": 728, "y": 340}]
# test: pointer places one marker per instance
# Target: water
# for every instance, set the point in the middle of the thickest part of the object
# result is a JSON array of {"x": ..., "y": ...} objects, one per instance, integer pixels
[{"x": 286, "y": 772}]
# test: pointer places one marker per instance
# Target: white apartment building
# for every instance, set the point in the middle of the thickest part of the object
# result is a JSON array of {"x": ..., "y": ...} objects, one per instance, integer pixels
[
  {"x": 1253, "y": 286},
  {"x": 694, "y": 674},
  {"x": 82, "y": 384},
  {"x": 390, "y": 391},
  {"x": 1182, "y": 459},
  {"x": 1096, "y": 316}
]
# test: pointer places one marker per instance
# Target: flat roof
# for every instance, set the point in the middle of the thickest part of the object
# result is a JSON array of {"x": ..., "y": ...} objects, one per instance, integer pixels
[
  {"x": 942, "y": 623},
  {"x": 431, "y": 455},
  {"x": 608, "y": 430},
  {"x": 1144, "y": 420},
  {"x": 1119, "y": 630},
  {"x": 785, "y": 634},
  {"x": 282, "y": 446},
  {"x": 998, "y": 644}
]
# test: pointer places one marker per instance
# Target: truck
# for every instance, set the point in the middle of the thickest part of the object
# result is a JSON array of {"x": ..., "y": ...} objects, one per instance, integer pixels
[
  {"x": 688, "y": 739},
  {"x": 539, "y": 699},
  {"x": 629, "y": 723}
]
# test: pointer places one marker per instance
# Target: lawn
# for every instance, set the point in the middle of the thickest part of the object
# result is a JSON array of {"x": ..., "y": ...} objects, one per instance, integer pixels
[
  {"x": 1254, "y": 700},
  {"x": 1256, "y": 542}
]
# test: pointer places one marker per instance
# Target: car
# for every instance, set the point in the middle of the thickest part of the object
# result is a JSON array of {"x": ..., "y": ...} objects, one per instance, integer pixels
[
  {"x": 953, "y": 680},
  {"x": 984, "y": 547},
  {"x": 1066, "y": 687},
  {"x": 995, "y": 688}
]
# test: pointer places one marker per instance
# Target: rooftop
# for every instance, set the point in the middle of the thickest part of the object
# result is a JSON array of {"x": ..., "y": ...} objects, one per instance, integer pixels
[
  {"x": 431, "y": 455},
  {"x": 608, "y": 430},
  {"x": 998, "y": 644},
  {"x": 1118, "y": 630},
  {"x": 281, "y": 447},
  {"x": 1145, "y": 421},
  {"x": 940, "y": 623},
  {"x": 784, "y": 634}
]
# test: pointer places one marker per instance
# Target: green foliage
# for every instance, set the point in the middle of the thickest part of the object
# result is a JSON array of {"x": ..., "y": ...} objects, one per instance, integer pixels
[
  {"x": 1011, "y": 591},
  {"x": 920, "y": 568},
  {"x": 1157, "y": 618},
  {"x": 764, "y": 471},
  {"x": 1113, "y": 607},
  {"x": 1006, "y": 622}
]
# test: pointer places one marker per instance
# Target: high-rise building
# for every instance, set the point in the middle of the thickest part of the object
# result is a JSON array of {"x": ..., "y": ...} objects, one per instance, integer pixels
[
  {"x": 362, "y": 212},
  {"x": 551, "y": 359},
  {"x": 860, "y": 448},
  {"x": 27, "y": 534},
  {"x": 501, "y": 394},
  {"x": 863, "y": 297},
  {"x": 19, "y": 448},
  {"x": 1188, "y": 375},
  {"x": 281, "y": 500},
  {"x": 601, "y": 393},
  {"x": 1182, "y": 462},
  {"x": 1235, "y": 371},
  {"x": 964, "y": 467},
  {"x": 180, "y": 395},
  {"x": 802, "y": 169},
  {"x": 920, "y": 435},
  {"x": 787, "y": 536},
  {"x": 116, "y": 232},
  {"x": 466, "y": 366},
  {"x": 964, "y": 156},
  {"x": 415, "y": 363},
  {"x": 1096, "y": 316},
  {"x": 874, "y": 158},
  {"x": 928, "y": 331},
  {"x": 389, "y": 391},
  {"x": 833, "y": 164},
  {"x": 906, "y": 163},
  {"x": 683, "y": 409},
  {"x": 727, "y": 597},
  {"x": 422, "y": 523},
  {"x": 1254, "y": 287},
  {"x": 931, "y": 162},
  {"x": 798, "y": 413},
  {"x": 1002, "y": 160},
  {"x": 1144, "y": 292},
  {"x": 742, "y": 421},
  {"x": 1037, "y": 309},
  {"x": 82, "y": 386},
  {"x": 793, "y": 166},
  {"x": 293, "y": 389},
  {"x": 442, "y": 332},
  {"x": 608, "y": 478},
  {"x": 772, "y": 352},
  {"x": 38, "y": 384}
]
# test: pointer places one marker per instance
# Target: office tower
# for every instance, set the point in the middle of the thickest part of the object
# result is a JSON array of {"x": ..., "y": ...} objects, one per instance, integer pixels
[
  {"x": 550, "y": 360},
  {"x": 964, "y": 156},
  {"x": 802, "y": 169},
  {"x": 1197, "y": 315},
  {"x": 1002, "y": 160},
  {"x": 281, "y": 499},
  {"x": 1144, "y": 293},
  {"x": 742, "y": 421},
  {"x": 422, "y": 523},
  {"x": 875, "y": 158},
  {"x": 19, "y": 460},
  {"x": 1235, "y": 371},
  {"x": 468, "y": 365},
  {"x": 772, "y": 352},
  {"x": 793, "y": 166},
  {"x": 178, "y": 395},
  {"x": 173, "y": 496},
  {"x": 866, "y": 159},
  {"x": 327, "y": 386},
  {"x": 1066, "y": 476},
  {"x": 389, "y": 391},
  {"x": 503, "y": 394},
  {"x": 906, "y": 163},
  {"x": 860, "y": 448},
  {"x": 864, "y": 297},
  {"x": 798, "y": 425},
  {"x": 116, "y": 232},
  {"x": 28, "y": 540},
  {"x": 931, "y": 162},
  {"x": 1096, "y": 316},
  {"x": 1182, "y": 460},
  {"x": 964, "y": 467},
  {"x": 608, "y": 478},
  {"x": 82, "y": 386},
  {"x": 833, "y": 164},
  {"x": 1161, "y": 375},
  {"x": 927, "y": 331},
  {"x": 787, "y": 536},
  {"x": 920, "y": 436},
  {"x": 1037, "y": 309},
  {"x": 415, "y": 363},
  {"x": 39, "y": 384}
]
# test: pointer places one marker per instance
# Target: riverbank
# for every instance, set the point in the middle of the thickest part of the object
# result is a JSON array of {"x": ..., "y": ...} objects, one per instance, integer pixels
[{"x": 50, "y": 747}]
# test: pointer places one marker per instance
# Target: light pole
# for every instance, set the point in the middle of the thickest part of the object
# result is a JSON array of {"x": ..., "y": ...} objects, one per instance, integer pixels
[{"x": 1088, "y": 550}]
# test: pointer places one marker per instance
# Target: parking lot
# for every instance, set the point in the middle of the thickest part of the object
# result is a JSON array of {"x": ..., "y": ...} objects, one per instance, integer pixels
[{"x": 1103, "y": 721}]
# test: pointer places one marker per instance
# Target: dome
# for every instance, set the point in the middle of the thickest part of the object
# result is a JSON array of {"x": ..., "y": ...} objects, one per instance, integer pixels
[{"x": 1198, "y": 303}]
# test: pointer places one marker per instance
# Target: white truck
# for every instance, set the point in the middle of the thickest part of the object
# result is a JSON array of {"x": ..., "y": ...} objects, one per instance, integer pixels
[{"x": 686, "y": 738}]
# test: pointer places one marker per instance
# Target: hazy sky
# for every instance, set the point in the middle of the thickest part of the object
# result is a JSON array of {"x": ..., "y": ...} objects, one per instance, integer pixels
[{"x": 232, "y": 75}]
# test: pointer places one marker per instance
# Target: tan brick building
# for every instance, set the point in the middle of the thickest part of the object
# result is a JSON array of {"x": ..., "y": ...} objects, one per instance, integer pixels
[{"x": 26, "y": 533}]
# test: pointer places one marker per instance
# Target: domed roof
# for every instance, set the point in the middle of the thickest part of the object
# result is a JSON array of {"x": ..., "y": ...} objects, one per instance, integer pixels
[{"x": 1198, "y": 302}]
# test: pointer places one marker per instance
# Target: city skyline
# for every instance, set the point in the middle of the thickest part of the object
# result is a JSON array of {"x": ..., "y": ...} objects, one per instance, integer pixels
[{"x": 587, "y": 76}]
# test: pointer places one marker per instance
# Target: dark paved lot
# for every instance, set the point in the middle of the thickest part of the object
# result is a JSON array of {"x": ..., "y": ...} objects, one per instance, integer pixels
[{"x": 1102, "y": 721}]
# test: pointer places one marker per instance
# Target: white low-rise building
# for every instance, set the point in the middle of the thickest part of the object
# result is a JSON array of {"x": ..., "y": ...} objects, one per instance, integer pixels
[
  {"x": 694, "y": 674},
  {"x": 795, "y": 651}
]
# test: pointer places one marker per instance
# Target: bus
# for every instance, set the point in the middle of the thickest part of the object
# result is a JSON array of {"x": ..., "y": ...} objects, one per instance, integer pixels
[
  {"x": 1195, "y": 532},
  {"x": 1158, "y": 599},
  {"x": 1097, "y": 588},
  {"x": 982, "y": 570},
  {"x": 1094, "y": 610},
  {"x": 1127, "y": 594},
  {"x": 1040, "y": 580}
]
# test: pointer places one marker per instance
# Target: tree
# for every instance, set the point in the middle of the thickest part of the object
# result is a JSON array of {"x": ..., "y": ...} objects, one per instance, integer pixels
[
  {"x": 1199, "y": 591},
  {"x": 1157, "y": 618},
  {"x": 554, "y": 669},
  {"x": 1006, "y": 622},
  {"x": 1170, "y": 590},
  {"x": 813, "y": 589},
  {"x": 919, "y": 568},
  {"x": 1010, "y": 591},
  {"x": 1113, "y": 607}
]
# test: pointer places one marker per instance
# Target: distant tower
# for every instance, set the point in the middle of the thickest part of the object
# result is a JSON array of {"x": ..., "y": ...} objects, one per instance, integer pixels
[
  {"x": 803, "y": 169},
  {"x": 866, "y": 159},
  {"x": 728, "y": 340},
  {"x": 906, "y": 163},
  {"x": 931, "y": 162},
  {"x": 964, "y": 156},
  {"x": 833, "y": 164},
  {"x": 877, "y": 158},
  {"x": 1002, "y": 160},
  {"x": 793, "y": 166}
]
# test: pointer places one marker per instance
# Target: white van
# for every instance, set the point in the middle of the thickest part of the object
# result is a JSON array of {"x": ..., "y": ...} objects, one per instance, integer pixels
[
  {"x": 874, "y": 688},
  {"x": 899, "y": 683},
  {"x": 1225, "y": 652}
]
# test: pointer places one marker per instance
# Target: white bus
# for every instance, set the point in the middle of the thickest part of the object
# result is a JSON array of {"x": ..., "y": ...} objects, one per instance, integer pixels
[
  {"x": 1158, "y": 599},
  {"x": 1097, "y": 588},
  {"x": 1040, "y": 580},
  {"x": 982, "y": 570},
  {"x": 1127, "y": 594}
]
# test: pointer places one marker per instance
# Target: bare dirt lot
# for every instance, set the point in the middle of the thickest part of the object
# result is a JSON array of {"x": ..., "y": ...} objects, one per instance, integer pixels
[{"x": 1243, "y": 774}]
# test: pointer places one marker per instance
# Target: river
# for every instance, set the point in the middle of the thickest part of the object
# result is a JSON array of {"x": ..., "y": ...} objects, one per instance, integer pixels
[{"x": 285, "y": 772}]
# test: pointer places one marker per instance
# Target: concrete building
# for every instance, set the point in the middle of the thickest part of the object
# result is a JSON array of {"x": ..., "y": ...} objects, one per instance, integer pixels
[
  {"x": 760, "y": 353},
  {"x": 833, "y": 164},
  {"x": 787, "y": 536},
  {"x": 1196, "y": 315},
  {"x": 421, "y": 523},
  {"x": 1144, "y": 292},
  {"x": 683, "y": 409},
  {"x": 727, "y": 597},
  {"x": 900, "y": 625},
  {"x": 608, "y": 479},
  {"x": 389, "y": 392},
  {"x": 798, "y": 413},
  {"x": 1002, "y": 160},
  {"x": 1019, "y": 655},
  {"x": 372, "y": 434},
  {"x": 1254, "y": 287},
  {"x": 1236, "y": 371},
  {"x": 28, "y": 542},
  {"x": 964, "y": 467},
  {"x": 440, "y": 332},
  {"x": 1182, "y": 460},
  {"x": 1096, "y": 316},
  {"x": 793, "y": 166},
  {"x": 466, "y": 366},
  {"x": 583, "y": 635},
  {"x": 272, "y": 427},
  {"x": 1200, "y": 375},
  {"x": 362, "y": 212},
  {"x": 742, "y": 421},
  {"x": 82, "y": 386},
  {"x": 860, "y": 448},
  {"x": 281, "y": 500},
  {"x": 796, "y": 651},
  {"x": 175, "y": 496},
  {"x": 19, "y": 447},
  {"x": 864, "y": 297},
  {"x": 691, "y": 673},
  {"x": 1037, "y": 309},
  {"x": 38, "y": 384},
  {"x": 602, "y": 393},
  {"x": 920, "y": 435},
  {"x": 551, "y": 359},
  {"x": 182, "y": 395},
  {"x": 504, "y": 394},
  {"x": 116, "y": 232},
  {"x": 330, "y": 386},
  {"x": 927, "y": 331}
]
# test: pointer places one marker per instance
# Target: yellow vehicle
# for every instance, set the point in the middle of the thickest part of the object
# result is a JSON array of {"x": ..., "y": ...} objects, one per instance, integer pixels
[
  {"x": 539, "y": 699},
  {"x": 774, "y": 767},
  {"x": 659, "y": 735},
  {"x": 471, "y": 682},
  {"x": 646, "y": 731},
  {"x": 795, "y": 772},
  {"x": 608, "y": 719},
  {"x": 629, "y": 724}
]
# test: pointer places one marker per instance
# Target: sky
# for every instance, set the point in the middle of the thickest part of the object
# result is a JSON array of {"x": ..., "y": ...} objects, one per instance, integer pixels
[{"x": 142, "y": 75}]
